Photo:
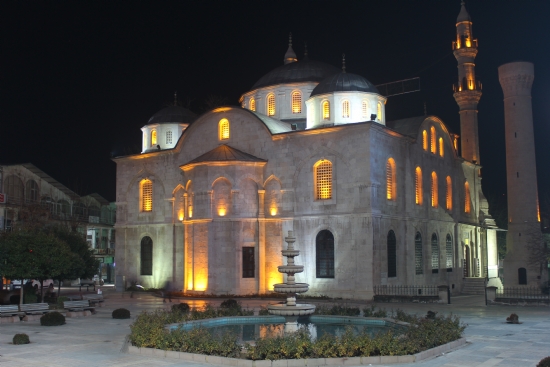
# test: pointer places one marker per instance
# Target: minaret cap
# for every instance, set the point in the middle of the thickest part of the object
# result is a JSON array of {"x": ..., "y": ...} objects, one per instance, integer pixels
[
  {"x": 463, "y": 16},
  {"x": 290, "y": 55}
]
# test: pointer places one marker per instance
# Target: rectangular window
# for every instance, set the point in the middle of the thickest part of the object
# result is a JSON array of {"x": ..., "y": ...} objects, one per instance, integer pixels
[{"x": 249, "y": 263}]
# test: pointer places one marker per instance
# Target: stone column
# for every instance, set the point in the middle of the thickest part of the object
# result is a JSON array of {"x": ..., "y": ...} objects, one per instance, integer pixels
[{"x": 262, "y": 278}]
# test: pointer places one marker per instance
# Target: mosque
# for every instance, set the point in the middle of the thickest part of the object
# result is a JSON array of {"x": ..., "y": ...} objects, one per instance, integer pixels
[{"x": 207, "y": 203}]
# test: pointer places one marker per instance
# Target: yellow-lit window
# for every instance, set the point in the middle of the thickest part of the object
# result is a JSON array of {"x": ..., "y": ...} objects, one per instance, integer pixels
[
  {"x": 326, "y": 110},
  {"x": 224, "y": 129},
  {"x": 449, "y": 194},
  {"x": 433, "y": 146},
  {"x": 434, "y": 190},
  {"x": 146, "y": 188},
  {"x": 364, "y": 109},
  {"x": 424, "y": 140},
  {"x": 466, "y": 197},
  {"x": 154, "y": 137},
  {"x": 323, "y": 180},
  {"x": 379, "y": 111},
  {"x": 345, "y": 109},
  {"x": 441, "y": 150},
  {"x": 455, "y": 143},
  {"x": 390, "y": 179},
  {"x": 271, "y": 105},
  {"x": 418, "y": 186},
  {"x": 252, "y": 104},
  {"x": 296, "y": 102}
]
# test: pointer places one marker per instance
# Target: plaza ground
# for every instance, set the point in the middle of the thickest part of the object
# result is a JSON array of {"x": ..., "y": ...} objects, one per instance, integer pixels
[{"x": 97, "y": 340}]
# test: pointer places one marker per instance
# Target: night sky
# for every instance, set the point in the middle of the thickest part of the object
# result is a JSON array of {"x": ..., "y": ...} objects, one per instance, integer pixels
[{"x": 79, "y": 79}]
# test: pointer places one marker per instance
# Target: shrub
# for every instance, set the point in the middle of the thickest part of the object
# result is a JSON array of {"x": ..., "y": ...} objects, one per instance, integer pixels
[
  {"x": 545, "y": 362},
  {"x": 372, "y": 312},
  {"x": 52, "y": 319},
  {"x": 58, "y": 305},
  {"x": 181, "y": 307},
  {"x": 513, "y": 319},
  {"x": 21, "y": 339},
  {"x": 230, "y": 303},
  {"x": 121, "y": 313},
  {"x": 338, "y": 310},
  {"x": 431, "y": 315},
  {"x": 263, "y": 311}
]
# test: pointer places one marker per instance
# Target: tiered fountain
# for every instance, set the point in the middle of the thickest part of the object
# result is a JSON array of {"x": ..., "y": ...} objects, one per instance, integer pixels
[{"x": 290, "y": 310}]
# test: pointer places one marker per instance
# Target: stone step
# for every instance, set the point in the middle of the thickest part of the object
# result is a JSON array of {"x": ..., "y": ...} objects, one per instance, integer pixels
[{"x": 473, "y": 286}]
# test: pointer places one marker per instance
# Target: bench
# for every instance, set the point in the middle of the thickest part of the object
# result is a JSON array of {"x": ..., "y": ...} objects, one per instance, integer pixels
[
  {"x": 87, "y": 285},
  {"x": 78, "y": 306},
  {"x": 94, "y": 298},
  {"x": 9, "y": 310},
  {"x": 35, "y": 308}
]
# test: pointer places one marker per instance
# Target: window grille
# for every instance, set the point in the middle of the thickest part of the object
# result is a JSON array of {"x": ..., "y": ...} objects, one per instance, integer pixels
[
  {"x": 146, "y": 256},
  {"x": 424, "y": 140},
  {"x": 146, "y": 195},
  {"x": 418, "y": 254},
  {"x": 392, "y": 254},
  {"x": 466, "y": 197},
  {"x": 296, "y": 102},
  {"x": 271, "y": 105},
  {"x": 365, "y": 109},
  {"x": 326, "y": 110},
  {"x": 449, "y": 194},
  {"x": 249, "y": 262},
  {"x": 153, "y": 137},
  {"x": 324, "y": 254},
  {"x": 435, "y": 254},
  {"x": 434, "y": 190},
  {"x": 418, "y": 186},
  {"x": 345, "y": 109},
  {"x": 224, "y": 129},
  {"x": 323, "y": 177},
  {"x": 449, "y": 252},
  {"x": 390, "y": 179},
  {"x": 252, "y": 104},
  {"x": 433, "y": 146},
  {"x": 169, "y": 137}
]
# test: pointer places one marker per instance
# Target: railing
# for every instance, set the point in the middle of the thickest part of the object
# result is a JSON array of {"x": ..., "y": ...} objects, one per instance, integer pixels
[
  {"x": 522, "y": 293},
  {"x": 103, "y": 251},
  {"x": 467, "y": 85},
  {"x": 406, "y": 290}
]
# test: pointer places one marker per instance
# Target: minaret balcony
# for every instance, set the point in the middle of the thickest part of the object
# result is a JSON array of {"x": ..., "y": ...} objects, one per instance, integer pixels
[
  {"x": 466, "y": 43},
  {"x": 467, "y": 85}
]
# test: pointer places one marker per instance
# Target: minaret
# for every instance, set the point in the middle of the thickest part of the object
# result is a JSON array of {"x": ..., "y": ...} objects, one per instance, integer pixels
[
  {"x": 516, "y": 79},
  {"x": 468, "y": 89},
  {"x": 290, "y": 55}
]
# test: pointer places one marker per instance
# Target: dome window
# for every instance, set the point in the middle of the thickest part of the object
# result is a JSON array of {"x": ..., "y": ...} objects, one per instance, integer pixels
[
  {"x": 271, "y": 105},
  {"x": 252, "y": 104},
  {"x": 169, "y": 137},
  {"x": 224, "y": 129},
  {"x": 365, "y": 109},
  {"x": 153, "y": 137},
  {"x": 326, "y": 110},
  {"x": 345, "y": 109},
  {"x": 296, "y": 102}
]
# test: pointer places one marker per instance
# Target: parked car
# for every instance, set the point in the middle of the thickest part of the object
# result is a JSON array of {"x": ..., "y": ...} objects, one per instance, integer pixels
[{"x": 17, "y": 283}]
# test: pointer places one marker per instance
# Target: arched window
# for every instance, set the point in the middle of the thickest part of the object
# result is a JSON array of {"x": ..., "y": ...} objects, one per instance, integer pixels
[
  {"x": 392, "y": 255},
  {"x": 146, "y": 188},
  {"x": 433, "y": 146},
  {"x": 296, "y": 102},
  {"x": 271, "y": 105},
  {"x": 31, "y": 191},
  {"x": 93, "y": 211},
  {"x": 365, "y": 109},
  {"x": 324, "y": 254},
  {"x": 449, "y": 194},
  {"x": 449, "y": 252},
  {"x": 64, "y": 207},
  {"x": 522, "y": 276},
  {"x": 14, "y": 189},
  {"x": 390, "y": 179},
  {"x": 48, "y": 203},
  {"x": 418, "y": 186},
  {"x": 326, "y": 110},
  {"x": 252, "y": 104},
  {"x": 223, "y": 128},
  {"x": 466, "y": 197},
  {"x": 323, "y": 179},
  {"x": 169, "y": 137},
  {"x": 418, "y": 264},
  {"x": 153, "y": 137},
  {"x": 379, "y": 111},
  {"x": 435, "y": 254},
  {"x": 434, "y": 190},
  {"x": 146, "y": 253},
  {"x": 441, "y": 150},
  {"x": 424, "y": 140},
  {"x": 345, "y": 109}
]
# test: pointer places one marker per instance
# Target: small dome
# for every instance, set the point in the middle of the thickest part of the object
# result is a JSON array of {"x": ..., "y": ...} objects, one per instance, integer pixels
[
  {"x": 304, "y": 70},
  {"x": 172, "y": 114},
  {"x": 344, "y": 82}
]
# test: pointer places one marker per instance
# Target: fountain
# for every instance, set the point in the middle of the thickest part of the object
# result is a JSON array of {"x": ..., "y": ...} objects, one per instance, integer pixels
[{"x": 291, "y": 310}]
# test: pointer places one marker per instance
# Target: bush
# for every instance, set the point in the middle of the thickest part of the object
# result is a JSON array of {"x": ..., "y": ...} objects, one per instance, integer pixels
[
  {"x": 121, "y": 313},
  {"x": 263, "y": 311},
  {"x": 181, "y": 307},
  {"x": 372, "y": 312},
  {"x": 338, "y": 310},
  {"x": 21, "y": 339},
  {"x": 545, "y": 362},
  {"x": 513, "y": 319},
  {"x": 431, "y": 315},
  {"x": 52, "y": 319},
  {"x": 230, "y": 303}
]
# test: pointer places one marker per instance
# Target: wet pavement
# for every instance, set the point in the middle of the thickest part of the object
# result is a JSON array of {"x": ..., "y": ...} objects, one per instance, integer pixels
[{"x": 97, "y": 340}]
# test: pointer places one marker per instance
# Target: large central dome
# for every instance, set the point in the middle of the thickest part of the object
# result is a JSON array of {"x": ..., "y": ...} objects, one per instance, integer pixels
[
  {"x": 344, "y": 82},
  {"x": 300, "y": 71}
]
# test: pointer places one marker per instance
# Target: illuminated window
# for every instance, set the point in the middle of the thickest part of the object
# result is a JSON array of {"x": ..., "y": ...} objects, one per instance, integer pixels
[
  {"x": 390, "y": 179},
  {"x": 324, "y": 254},
  {"x": 455, "y": 143},
  {"x": 434, "y": 190},
  {"x": 146, "y": 253},
  {"x": 345, "y": 109},
  {"x": 466, "y": 197},
  {"x": 323, "y": 180},
  {"x": 224, "y": 129},
  {"x": 271, "y": 105},
  {"x": 392, "y": 255},
  {"x": 252, "y": 104},
  {"x": 435, "y": 254},
  {"x": 433, "y": 146},
  {"x": 146, "y": 195},
  {"x": 418, "y": 262},
  {"x": 153, "y": 137},
  {"x": 379, "y": 111},
  {"x": 326, "y": 110},
  {"x": 296, "y": 102},
  {"x": 169, "y": 137},
  {"x": 449, "y": 194},
  {"x": 449, "y": 252},
  {"x": 424, "y": 140},
  {"x": 365, "y": 109},
  {"x": 418, "y": 186},
  {"x": 249, "y": 262},
  {"x": 441, "y": 151}
]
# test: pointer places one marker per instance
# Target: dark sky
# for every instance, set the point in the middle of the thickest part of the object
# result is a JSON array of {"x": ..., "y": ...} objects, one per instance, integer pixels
[{"x": 79, "y": 79}]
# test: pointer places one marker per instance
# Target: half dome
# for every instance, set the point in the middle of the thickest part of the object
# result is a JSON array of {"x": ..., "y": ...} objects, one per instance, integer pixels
[{"x": 344, "y": 82}]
